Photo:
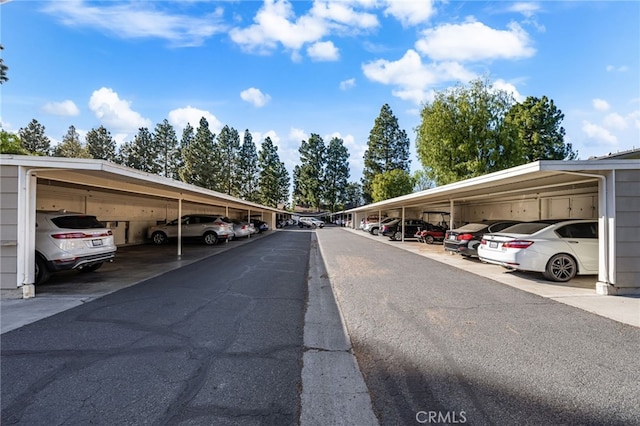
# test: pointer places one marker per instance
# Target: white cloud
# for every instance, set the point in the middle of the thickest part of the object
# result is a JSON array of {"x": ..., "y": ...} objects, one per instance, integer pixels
[
  {"x": 297, "y": 135},
  {"x": 255, "y": 96},
  {"x": 528, "y": 9},
  {"x": 474, "y": 41},
  {"x": 64, "y": 108},
  {"x": 138, "y": 20},
  {"x": 600, "y": 104},
  {"x": 611, "y": 68},
  {"x": 509, "y": 88},
  {"x": 412, "y": 77},
  {"x": 323, "y": 51},
  {"x": 410, "y": 12},
  {"x": 340, "y": 13},
  {"x": 180, "y": 117},
  {"x": 347, "y": 84},
  {"x": 116, "y": 113},
  {"x": 615, "y": 121},
  {"x": 598, "y": 133}
]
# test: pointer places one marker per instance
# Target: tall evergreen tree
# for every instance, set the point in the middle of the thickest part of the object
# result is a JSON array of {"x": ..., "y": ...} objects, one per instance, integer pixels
[
  {"x": 167, "y": 145},
  {"x": 188, "y": 136},
  {"x": 71, "y": 147},
  {"x": 353, "y": 196},
  {"x": 228, "y": 144},
  {"x": 3, "y": 69},
  {"x": 297, "y": 197},
  {"x": 274, "y": 178},
  {"x": 336, "y": 174},
  {"x": 33, "y": 138},
  {"x": 125, "y": 155},
  {"x": 387, "y": 149},
  {"x": 312, "y": 164},
  {"x": 199, "y": 158},
  {"x": 539, "y": 133},
  {"x": 100, "y": 144},
  {"x": 248, "y": 170},
  {"x": 145, "y": 153}
]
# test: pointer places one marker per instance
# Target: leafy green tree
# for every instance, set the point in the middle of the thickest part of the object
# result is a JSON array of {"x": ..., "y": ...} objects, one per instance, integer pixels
[
  {"x": 336, "y": 174},
  {"x": 199, "y": 158},
  {"x": 310, "y": 176},
  {"x": 71, "y": 147},
  {"x": 353, "y": 195},
  {"x": 33, "y": 138},
  {"x": 391, "y": 184},
  {"x": 539, "y": 133},
  {"x": 421, "y": 181},
  {"x": 274, "y": 178},
  {"x": 387, "y": 149},
  {"x": 462, "y": 133},
  {"x": 166, "y": 141},
  {"x": 100, "y": 144},
  {"x": 248, "y": 170},
  {"x": 228, "y": 143},
  {"x": 3, "y": 69},
  {"x": 10, "y": 144}
]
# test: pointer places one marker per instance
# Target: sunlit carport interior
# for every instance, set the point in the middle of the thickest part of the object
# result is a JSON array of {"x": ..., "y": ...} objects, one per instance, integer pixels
[
  {"x": 127, "y": 200},
  {"x": 607, "y": 189}
]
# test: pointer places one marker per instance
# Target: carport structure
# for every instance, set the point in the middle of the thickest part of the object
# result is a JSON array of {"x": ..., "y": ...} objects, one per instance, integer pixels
[
  {"x": 607, "y": 189},
  {"x": 127, "y": 200}
]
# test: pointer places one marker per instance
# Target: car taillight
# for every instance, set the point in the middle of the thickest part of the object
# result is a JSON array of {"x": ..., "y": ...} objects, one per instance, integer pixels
[
  {"x": 72, "y": 235},
  {"x": 518, "y": 244},
  {"x": 464, "y": 237},
  {"x": 483, "y": 242}
]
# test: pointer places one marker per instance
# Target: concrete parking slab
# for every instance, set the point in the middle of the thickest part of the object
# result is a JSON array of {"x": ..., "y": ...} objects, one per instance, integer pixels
[{"x": 579, "y": 292}]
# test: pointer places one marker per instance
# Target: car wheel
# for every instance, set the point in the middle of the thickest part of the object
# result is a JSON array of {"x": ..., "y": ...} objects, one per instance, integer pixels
[
  {"x": 159, "y": 238},
  {"x": 429, "y": 239},
  {"x": 91, "y": 268},
  {"x": 397, "y": 236},
  {"x": 42, "y": 274},
  {"x": 561, "y": 268},
  {"x": 374, "y": 231},
  {"x": 211, "y": 238}
]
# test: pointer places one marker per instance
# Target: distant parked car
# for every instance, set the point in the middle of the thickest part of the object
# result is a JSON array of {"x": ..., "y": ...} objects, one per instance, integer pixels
[
  {"x": 430, "y": 233},
  {"x": 560, "y": 249},
  {"x": 465, "y": 240},
  {"x": 310, "y": 222},
  {"x": 209, "y": 228},
  {"x": 260, "y": 225},
  {"x": 393, "y": 229},
  {"x": 374, "y": 227},
  {"x": 66, "y": 240},
  {"x": 242, "y": 228}
]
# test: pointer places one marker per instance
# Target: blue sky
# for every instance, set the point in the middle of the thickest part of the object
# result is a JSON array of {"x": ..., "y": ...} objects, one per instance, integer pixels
[{"x": 286, "y": 69}]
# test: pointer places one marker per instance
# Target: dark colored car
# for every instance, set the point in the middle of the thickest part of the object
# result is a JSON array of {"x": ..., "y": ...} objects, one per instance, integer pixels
[
  {"x": 393, "y": 229},
  {"x": 465, "y": 240},
  {"x": 260, "y": 225},
  {"x": 430, "y": 233}
]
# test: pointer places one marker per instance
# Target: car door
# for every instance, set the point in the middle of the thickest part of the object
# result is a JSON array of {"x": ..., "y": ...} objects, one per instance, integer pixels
[
  {"x": 190, "y": 226},
  {"x": 582, "y": 240}
]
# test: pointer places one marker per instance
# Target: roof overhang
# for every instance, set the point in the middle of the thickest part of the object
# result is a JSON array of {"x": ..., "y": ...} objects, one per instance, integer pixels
[{"x": 527, "y": 179}]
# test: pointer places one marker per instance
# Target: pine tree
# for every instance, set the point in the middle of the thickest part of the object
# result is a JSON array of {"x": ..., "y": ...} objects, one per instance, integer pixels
[
  {"x": 274, "y": 178},
  {"x": 145, "y": 153},
  {"x": 336, "y": 174},
  {"x": 188, "y": 136},
  {"x": 167, "y": 145},
  {"x": 34, "y": 140},
  {"x": 71, "y": 147},
  {"x": 228, "y": 143},
  {"x": 199, "y": 158},
  {"x": 312, "y": 162},
  {"x": 248, "y": 170},
  {"x": 125, "y": 155},
  {"x": 388, "y": 149},
  {"x": 100, "y": 144}
]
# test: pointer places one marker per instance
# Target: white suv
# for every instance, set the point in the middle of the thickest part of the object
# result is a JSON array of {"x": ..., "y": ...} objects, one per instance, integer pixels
[
  {"x": 310, "y": 222},
  {"x": 66, "y": 240},
  {"x": 209, "y": 228}
]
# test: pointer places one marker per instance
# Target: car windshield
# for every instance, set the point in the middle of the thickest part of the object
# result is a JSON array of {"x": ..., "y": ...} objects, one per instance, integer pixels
[
  {"x": 525, "y": 228},
  {"x": 77, "y": 222}
]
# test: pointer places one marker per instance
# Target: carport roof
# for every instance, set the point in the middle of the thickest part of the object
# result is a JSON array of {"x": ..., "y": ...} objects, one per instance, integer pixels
[
  {"x": 529, "y": 178},
  {"x": 105, "y": 175}
]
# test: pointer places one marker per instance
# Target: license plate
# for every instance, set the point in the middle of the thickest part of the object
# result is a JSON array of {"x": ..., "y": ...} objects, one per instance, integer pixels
[
  {"x": 493, "y": 245},
  {"x": 452, "y": 237},
  {"x": 96, "y": 242}
]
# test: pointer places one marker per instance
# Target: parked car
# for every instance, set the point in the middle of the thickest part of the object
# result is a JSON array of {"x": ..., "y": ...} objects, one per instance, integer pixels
[
  {"x": 310, "y": 222},
  {"x": 374, "y": 227},
  {"x": 465, "y": 240},
  {"x": 365, "y": 222},
  {"x": 560, "y": 249},
  {"x": 209, "y": 228},
  {"x": 242, "y": 228},
  {"x": 260, "y": 225},
  {"x": 430, "y": 233},
  {"x": 66, "y": 240},
  {"x": 394, "y": 232}
]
